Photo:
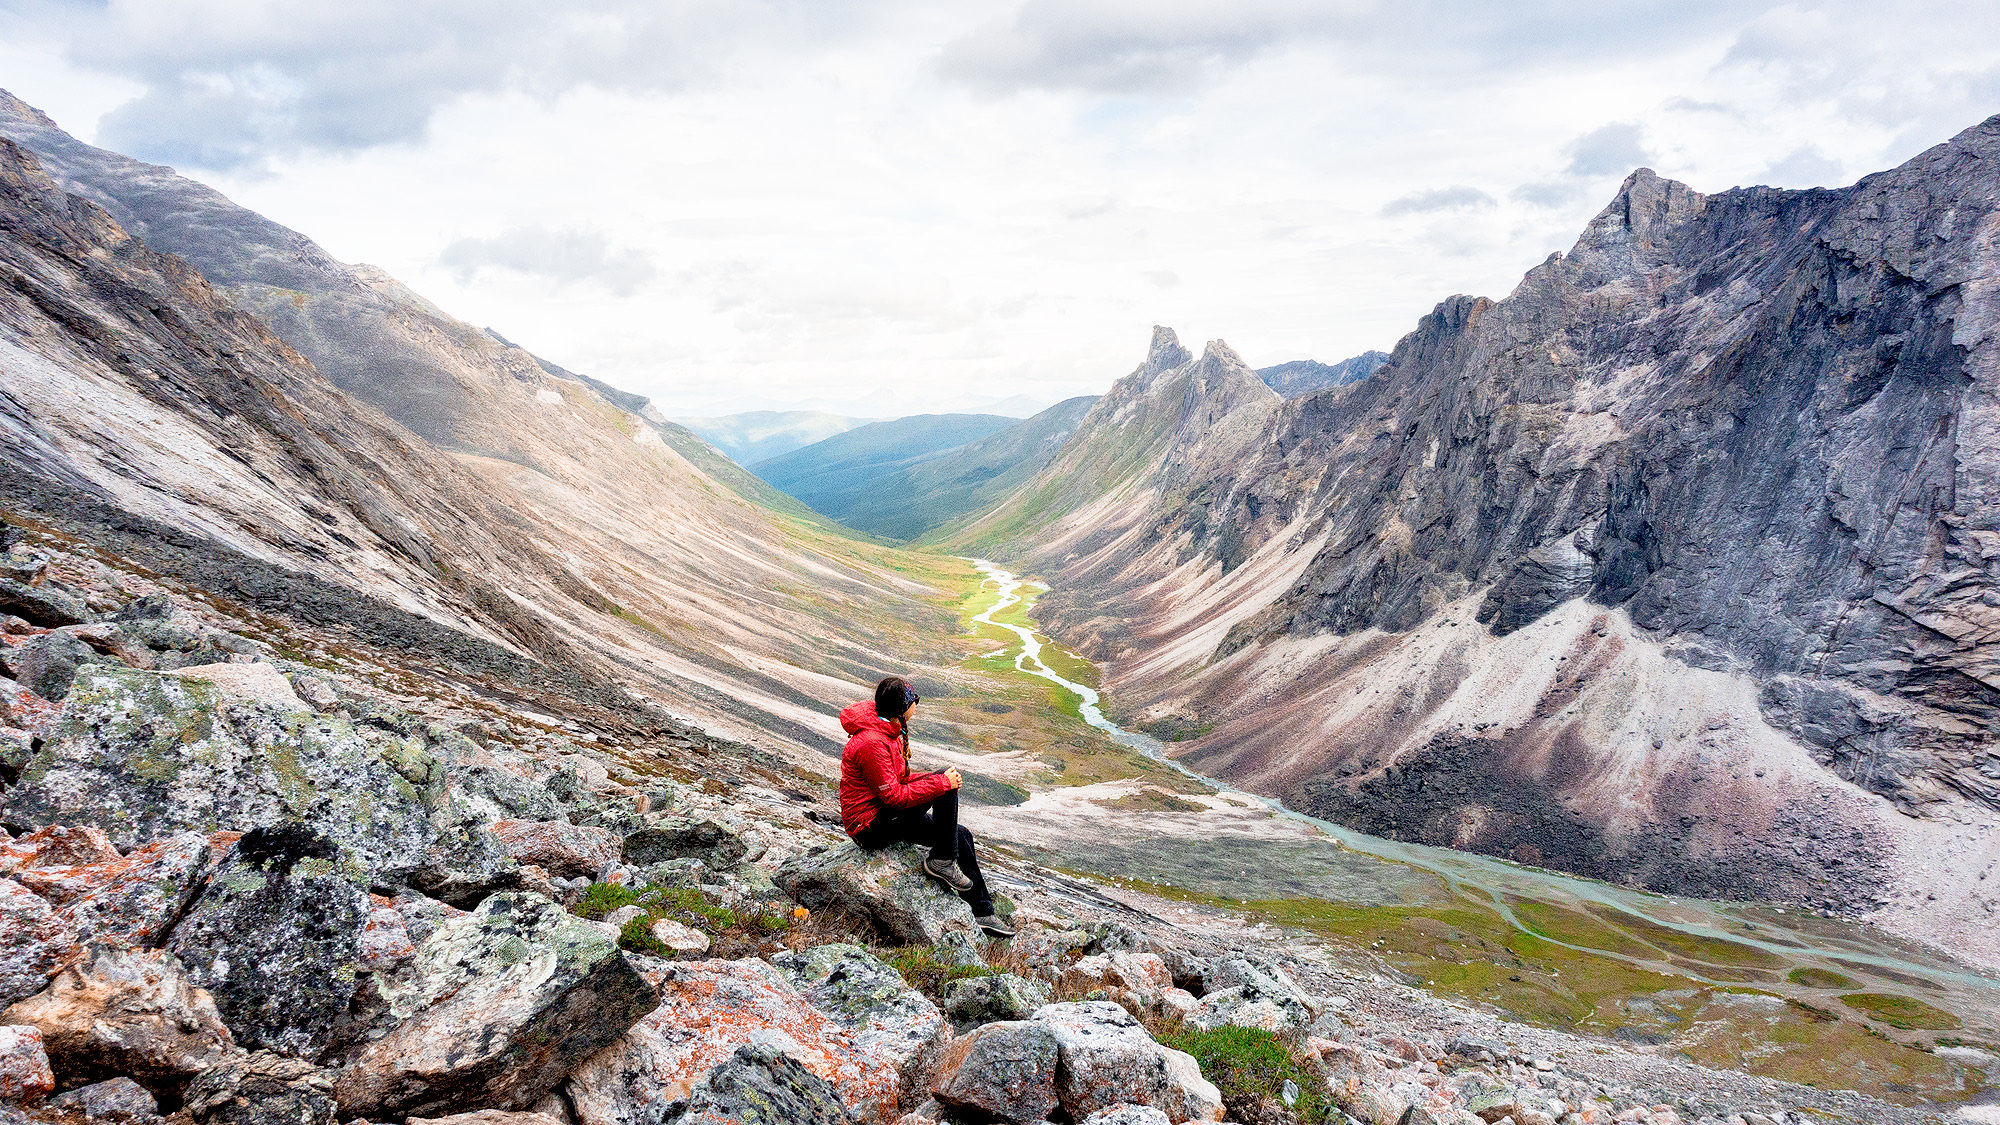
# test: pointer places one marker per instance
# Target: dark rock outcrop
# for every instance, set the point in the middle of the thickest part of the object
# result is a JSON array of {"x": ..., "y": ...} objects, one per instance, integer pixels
[
  {"x": 761, "y": 1084},
  {"x": 275, "y": 938}
]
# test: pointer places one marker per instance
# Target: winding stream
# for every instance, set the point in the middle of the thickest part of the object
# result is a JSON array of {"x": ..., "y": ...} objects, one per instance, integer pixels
[{"x": 1799, "y": 938}]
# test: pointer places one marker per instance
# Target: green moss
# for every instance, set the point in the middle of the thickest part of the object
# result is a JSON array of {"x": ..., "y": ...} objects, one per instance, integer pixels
[
  {"x": 1250, "y": 1066},
  {"x": 636, "y": 936},
  {"x": 1905, "y": 1012},
  {"x": 927, "y": 971},
  {"x": 1820, "y": 978},
  {"x": 1150, "y": 800},
  {"x": 600, "y": 899}
]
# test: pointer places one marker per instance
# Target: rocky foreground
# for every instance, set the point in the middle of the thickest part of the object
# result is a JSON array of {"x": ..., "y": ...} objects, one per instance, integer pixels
[{"x": 240, "y": 888}]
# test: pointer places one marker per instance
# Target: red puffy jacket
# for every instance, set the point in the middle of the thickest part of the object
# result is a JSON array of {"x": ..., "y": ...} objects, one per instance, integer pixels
[{"x": 874, "y": 775}]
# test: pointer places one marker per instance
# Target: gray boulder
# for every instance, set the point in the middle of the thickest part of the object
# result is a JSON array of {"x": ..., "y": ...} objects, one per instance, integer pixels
[
  {"x": 885, "y": 889},
  {"x": 262, "y": 1089},
  {"x": 116, "y": 1101},
  {"x": 677, "y": 837},
  {"x": 982, "y": 1000},
  {"x": 887, "y": 1020},
  {"x": 497, "y": 1007},
  {"x": 142, "y": 755},
  {"x": 761, "y": 1085},
  {"x": 1244, "y": 991},
  {"x": 1108, "y": 1059},
  {"x": 276, "y": 937},
  {"x": 47, "y": 664},
  {"x": 1004, "y": 1071},
  {"x": 41, "y": 605}
]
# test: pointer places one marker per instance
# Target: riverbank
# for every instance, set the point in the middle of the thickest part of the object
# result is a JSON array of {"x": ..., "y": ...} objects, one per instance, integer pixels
[{"x": 1778, "y": 993}]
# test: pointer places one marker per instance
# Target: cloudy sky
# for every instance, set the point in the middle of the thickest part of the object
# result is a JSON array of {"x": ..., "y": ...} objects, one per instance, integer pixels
[{"x": 885, "y": 207}]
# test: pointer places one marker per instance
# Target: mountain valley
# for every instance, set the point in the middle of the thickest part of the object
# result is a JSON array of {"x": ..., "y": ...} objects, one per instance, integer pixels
[{"x": 1581, "y": 713}]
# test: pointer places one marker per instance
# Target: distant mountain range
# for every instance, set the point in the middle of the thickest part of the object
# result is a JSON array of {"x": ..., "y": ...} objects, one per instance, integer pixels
[
  {"x": 759, "y": 435},
  {"x": 918, "y": 495},
  {"x": 846, "y": 473}
]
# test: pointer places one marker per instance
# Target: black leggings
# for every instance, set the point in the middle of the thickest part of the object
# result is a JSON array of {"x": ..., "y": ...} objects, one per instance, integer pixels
[{"x": 936, "y": 826}]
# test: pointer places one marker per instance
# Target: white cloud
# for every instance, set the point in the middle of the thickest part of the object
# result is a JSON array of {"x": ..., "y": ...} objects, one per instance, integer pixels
[
  {"x": 735, "y": 204},
  {"x": 1430, "y": 200},
  {"x": 561, "y": 256}
]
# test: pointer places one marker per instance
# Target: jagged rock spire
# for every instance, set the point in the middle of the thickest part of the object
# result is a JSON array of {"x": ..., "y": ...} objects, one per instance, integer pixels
[{"x": 1165, "y": 353}]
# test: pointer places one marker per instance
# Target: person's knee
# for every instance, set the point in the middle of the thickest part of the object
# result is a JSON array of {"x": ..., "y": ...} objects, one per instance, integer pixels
[{"x": 964, "y": 835}]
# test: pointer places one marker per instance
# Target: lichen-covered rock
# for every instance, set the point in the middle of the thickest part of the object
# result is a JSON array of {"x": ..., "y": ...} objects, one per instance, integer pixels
[
  {"x": 1242, "y": 992},
  {"x": 885, "y": 888},
  {"x": 564, "y": 850},
  {"x": 37, "y": 942},
  {"x": 24, "y": 1066},
  {"x": 885, "y": 1018},
  {"x": 111, "y": 1101},
  {"x": 1127, "y": 1115},
  {"x": 263, "y": 1088},
  {"x": 497, "y": 1006},
  {"x": 1004, "y": 996},
  {"x": 276, "y": 937},
  {"x": 679, "y": 938},
  {"x": 707, "y": 1010},
  {"x": 1136, "y": 980},
  {"x": 56, "y": 846},
  {"x": 128, "y": 900},
  {"x": 1107, "y": 1059},
  {"x": 1003, "y": 1071},
  {"x": 489, "y": 1117},
  {"x": 126, "y": 1012},
  {"x": 676, "y": 837},
  {"x": 114, "y": 1101},
  {"x": 253, "y": 683},
  {"x": 760, "y": 1084},
  {"x": 463, "y": 863},
  {"x": 142, "y": 755}
]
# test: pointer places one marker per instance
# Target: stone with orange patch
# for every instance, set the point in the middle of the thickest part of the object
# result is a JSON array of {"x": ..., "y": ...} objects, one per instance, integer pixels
[{"x": 707, "y": 1010}]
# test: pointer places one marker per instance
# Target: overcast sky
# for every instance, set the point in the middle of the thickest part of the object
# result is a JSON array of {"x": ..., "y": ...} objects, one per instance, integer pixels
[{"x": 879, "y": 207}]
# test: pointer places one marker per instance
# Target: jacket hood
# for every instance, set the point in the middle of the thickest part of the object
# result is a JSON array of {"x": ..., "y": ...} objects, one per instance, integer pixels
[{"x": 861, "y": 716}]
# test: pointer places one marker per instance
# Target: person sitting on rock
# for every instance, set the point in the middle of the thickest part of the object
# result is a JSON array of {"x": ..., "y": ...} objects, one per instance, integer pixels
[{"x": 883, "y": 803}]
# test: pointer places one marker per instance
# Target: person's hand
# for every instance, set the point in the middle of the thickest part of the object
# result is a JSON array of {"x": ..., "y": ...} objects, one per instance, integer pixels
[{"x": 951, "y": 775}]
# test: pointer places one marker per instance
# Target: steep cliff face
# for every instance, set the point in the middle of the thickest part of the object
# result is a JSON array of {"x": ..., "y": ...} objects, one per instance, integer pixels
[
  {"x": 560, "y": 521},
  {"x": 1676, "y": 566}
]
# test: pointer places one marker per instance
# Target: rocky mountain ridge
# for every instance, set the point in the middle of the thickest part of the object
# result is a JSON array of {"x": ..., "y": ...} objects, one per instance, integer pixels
[
  {"x": 1304, "y": 376},
  {"x": 1683, "y": 536},
  {"x": 408, "y": 457}
]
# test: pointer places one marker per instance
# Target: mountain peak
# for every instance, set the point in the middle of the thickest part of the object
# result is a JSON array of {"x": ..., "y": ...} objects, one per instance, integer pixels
[
  {"x": 1165, "y": 353},
  {"x": 1220, "y": 352}
]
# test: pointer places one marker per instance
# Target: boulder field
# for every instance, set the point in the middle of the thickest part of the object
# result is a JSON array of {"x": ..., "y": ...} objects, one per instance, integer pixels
[{"x": 241, "y": 889}]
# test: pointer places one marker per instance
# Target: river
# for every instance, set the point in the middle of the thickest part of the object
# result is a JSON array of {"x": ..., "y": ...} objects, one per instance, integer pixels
[{"x": 1801, "y": 939}]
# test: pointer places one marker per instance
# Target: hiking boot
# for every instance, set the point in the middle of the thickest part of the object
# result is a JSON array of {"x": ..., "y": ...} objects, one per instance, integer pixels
[
  {"x": 993, "y": 924},
  {"x": 945, "y": 871}
]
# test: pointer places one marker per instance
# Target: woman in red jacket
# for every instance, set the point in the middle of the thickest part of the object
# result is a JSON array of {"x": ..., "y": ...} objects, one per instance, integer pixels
[{"x": 882, "y": 803}]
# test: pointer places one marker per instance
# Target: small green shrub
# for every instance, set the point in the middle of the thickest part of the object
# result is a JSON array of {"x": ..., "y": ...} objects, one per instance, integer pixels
[
  {"x": 1248, "y": 1065},
  {"x": 600, "y": 899},
  {"x": 927, "y": 971},
  {"x": 637, "y": 937}
]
